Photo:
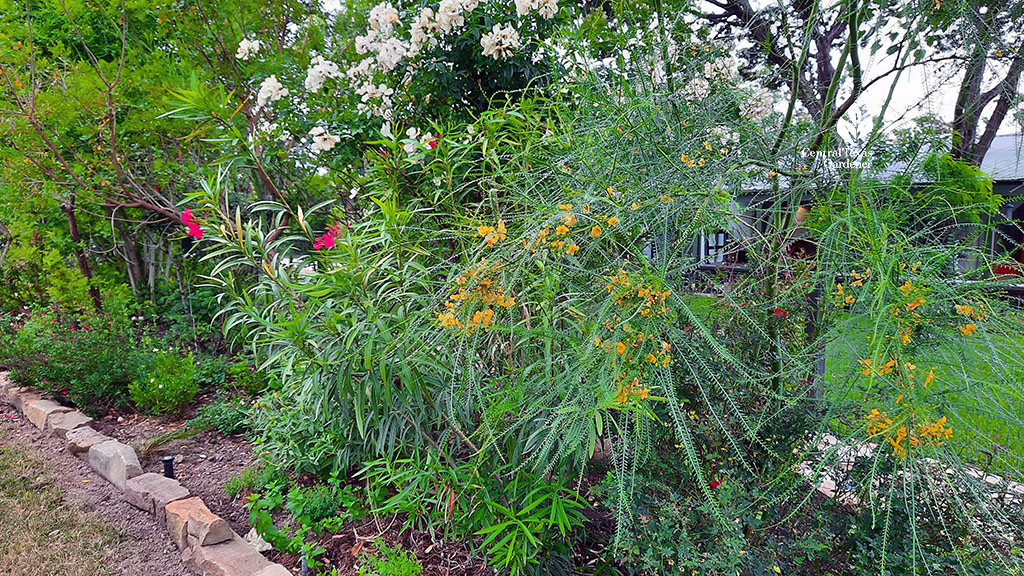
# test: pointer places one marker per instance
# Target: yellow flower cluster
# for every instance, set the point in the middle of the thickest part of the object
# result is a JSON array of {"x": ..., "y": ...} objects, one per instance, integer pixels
[
  {"x": 562, "y": 242},
  {"x": 975, "y": 311},
  {"x": 690, "y": 162},
  {"x": 633, "y": 294},
  {"x": 635, "y": 342},
  {"x": 492, "y": 235},
  {"x": 631, "y": 390},
  {"x": 900, "y": 438},
  {"x": 481, "y": 296}
]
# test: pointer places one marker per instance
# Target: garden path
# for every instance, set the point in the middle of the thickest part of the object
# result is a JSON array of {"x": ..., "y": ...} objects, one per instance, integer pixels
[{"x": 85, "y": 528}]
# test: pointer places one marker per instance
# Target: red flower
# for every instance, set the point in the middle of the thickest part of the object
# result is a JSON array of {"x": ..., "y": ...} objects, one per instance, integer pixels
[
  {"x": 327, "y": 240},
  {"x": 779, "y": 312},
  {"x": 193, "y": 225},
  {"x": 432, "y": 144},
  {"x": 195, "y": 231},
  {"x": 714, "y": 484}
]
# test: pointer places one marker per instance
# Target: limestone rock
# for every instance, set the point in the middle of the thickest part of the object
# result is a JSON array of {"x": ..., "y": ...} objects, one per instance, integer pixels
[
  {"x": 233, "y": 557},
  {"x": 273, "y": 570},
  {"x": 176, "y": 514},
  {"x": 257, "y": 542},
  {"x": 114, "y": 461},
  {"x": 153, "y": 492},
  {"x": 20, "y": 397},
  {"x": 40, "y": 411},
  {"x": 82, "y": 438},
  {"x": 208, "y": 528},
  {"x": 61, "y": 423}
]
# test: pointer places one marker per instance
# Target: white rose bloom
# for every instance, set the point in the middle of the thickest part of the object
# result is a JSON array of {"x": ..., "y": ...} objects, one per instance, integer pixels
[
  {"x": 720, "y": 70},
  {"x": 697, "y": 89},
  {"x": 322, "y": 140},
  {"x": 391, "y": 53},
  {"x": 318, "y": 73},
  {"x": 271, "y": 90},
  {"x": 247, "y": 48},
  {"x": 547, "y": 8},
  {"x": 449, "y": 15},
  {"x": 470, "y": 5},
  {"x": 523, "y": 7},
  {"x": 421, "y": 32},
  {"x": 757, "y": 106},
  {"x": 383, "y": 18},
  {"x": 360, "y": 69},
  {"x": 500, "y": 42},
  {"x": 367, "y": 42}
]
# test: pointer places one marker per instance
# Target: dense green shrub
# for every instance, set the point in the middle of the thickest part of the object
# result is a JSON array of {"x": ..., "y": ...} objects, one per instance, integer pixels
[
  {"x": 87, "y": 359},
  {"x": 166, "y": 383}
]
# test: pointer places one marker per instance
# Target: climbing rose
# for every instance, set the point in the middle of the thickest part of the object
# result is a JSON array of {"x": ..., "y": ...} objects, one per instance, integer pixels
[
  {"x": 714, "y": 484},
  {"x": 780, "y": 312}
]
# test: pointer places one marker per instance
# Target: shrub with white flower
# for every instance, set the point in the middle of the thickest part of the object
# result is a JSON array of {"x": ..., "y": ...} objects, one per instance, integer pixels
[
  {"x": 501, "y": 42},
  {"x": 757, "y": 106},
  {"x": 696, "y": 89},
  {"x": 247, "y": 48},
  {"x": 720, "y": 70},
  {"x": 321, "y": 140},
  {"x": 318, "y": 73},
  {"x": 271, "y": 90}
]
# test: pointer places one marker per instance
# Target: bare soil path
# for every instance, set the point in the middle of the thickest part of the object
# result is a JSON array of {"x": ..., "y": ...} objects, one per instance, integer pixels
[{"x": 57, "y": 518}]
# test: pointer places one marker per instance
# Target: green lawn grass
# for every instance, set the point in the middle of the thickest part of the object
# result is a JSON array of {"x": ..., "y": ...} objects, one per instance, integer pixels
[{"x": 978, "y": 387}]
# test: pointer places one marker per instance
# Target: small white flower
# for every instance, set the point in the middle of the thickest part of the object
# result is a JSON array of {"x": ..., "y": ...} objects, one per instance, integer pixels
[
  {"x": 757, "y": 106},
  {"x": 696, "y": 89},
  {"x": 352, "y": 193},
  {"x": 450, "y": 15},
  {"x": 501, "y": 42},
  {"x": 271, "y": 90},
  {"x": 247, "y": 48},
  {"x": 720, "y": 70},
  {"x": 383, "y": 18},
  {"x": 322, "y": 140},
  {"x": 319, "y": 71}
]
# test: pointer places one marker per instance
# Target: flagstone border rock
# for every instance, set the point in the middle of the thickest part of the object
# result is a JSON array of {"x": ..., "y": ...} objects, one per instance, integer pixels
[{"x": 208, "y": 545}]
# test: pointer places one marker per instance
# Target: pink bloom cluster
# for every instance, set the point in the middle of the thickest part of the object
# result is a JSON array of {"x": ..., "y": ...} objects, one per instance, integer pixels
[
  {"x": 193, "y": 225},
  {"x": 327, "y": 240}
]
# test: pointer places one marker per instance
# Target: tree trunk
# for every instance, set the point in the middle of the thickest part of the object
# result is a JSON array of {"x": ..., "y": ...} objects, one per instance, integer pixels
[{"x": 80, "y": 256}]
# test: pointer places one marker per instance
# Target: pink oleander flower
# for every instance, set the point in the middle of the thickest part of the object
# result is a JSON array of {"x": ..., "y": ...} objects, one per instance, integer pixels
[
  {"x": 194, "y": 230},
  {"x": 327, "y": 240}
]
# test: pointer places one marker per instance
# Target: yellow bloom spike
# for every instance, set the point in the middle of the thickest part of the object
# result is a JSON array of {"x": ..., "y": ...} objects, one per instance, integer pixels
[
  {"x": 595, "y": 231},
  {"x": 620, "y": 348},
  {"x": 484, "y": 231},
  {"x": 565, "y": 206},
  {"x": 968, "y": 329},
  {"x": 562, "y": 230},
  {"x": 613, "y": 221}
]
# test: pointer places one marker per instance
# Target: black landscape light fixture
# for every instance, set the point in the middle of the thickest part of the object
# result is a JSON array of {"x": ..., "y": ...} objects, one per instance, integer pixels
[{"x": 168, "y": 466}]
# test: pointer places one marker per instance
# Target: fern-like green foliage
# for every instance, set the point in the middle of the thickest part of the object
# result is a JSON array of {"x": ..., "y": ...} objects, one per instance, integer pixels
[{"x": 569, "y": 316}]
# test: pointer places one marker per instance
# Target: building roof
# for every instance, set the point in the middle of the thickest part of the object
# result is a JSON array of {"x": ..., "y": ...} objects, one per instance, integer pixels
[{"x": 1004, "y": 160}]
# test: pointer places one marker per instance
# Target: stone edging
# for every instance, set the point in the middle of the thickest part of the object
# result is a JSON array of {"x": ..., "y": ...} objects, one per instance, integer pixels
[{"x": 208, "y": 545}]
